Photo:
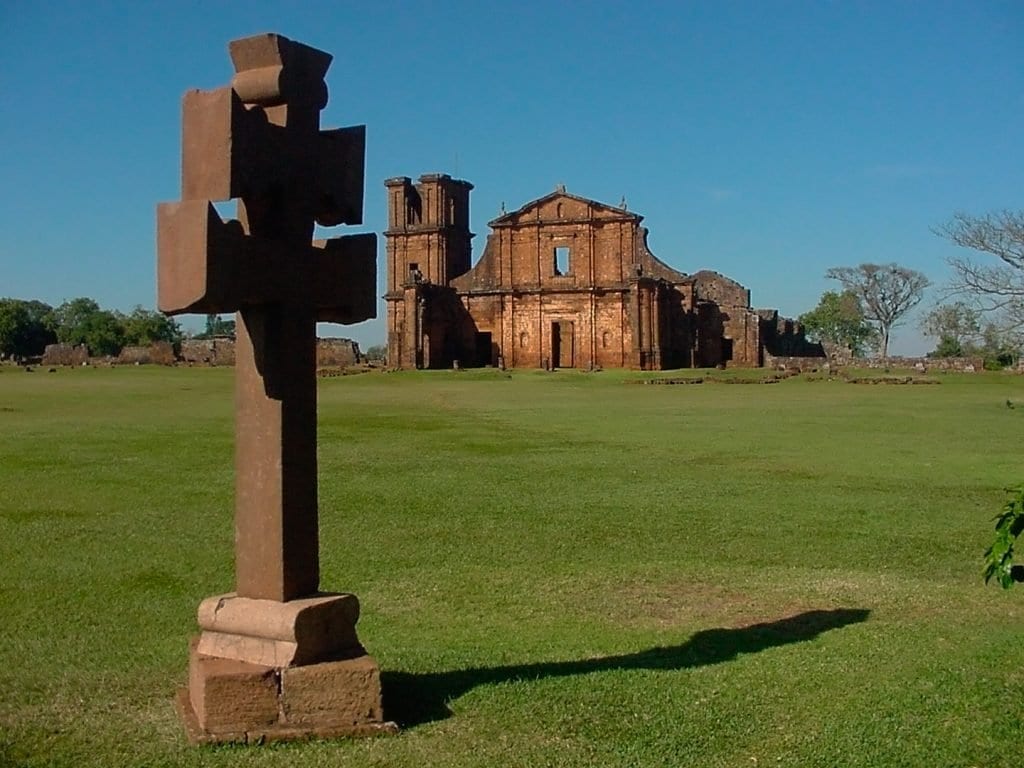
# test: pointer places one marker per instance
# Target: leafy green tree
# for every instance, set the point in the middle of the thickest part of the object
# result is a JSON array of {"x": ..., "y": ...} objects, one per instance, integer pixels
[
  {"x": 216, "y": 326},
  {"x": 376, "y": 352},
  {"x": 81, "y": 321},
  {"x": 948, "y": 346},
  {"x": 886, "y": 293},
  {"x": 955, "y": 326},
  {"x": 839, "y": 320},
  {"x": 103, "y": 333},
  {"x": 1009, "y": 526},
  {"x": 144, "y": 326},
  {"x": 70, "y": 317},
  {"x": 25, "y": 328},
  {"x": 998, "y": 348}
]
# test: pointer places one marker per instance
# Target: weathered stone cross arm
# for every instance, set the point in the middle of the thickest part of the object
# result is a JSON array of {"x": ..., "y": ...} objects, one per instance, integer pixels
[
  {"x": 206, "y": 265},
  {"x": 258, "y": 141}
]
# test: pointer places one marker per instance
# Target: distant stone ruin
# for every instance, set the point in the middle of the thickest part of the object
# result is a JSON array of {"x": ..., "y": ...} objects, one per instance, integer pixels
[
  {"x": 65, "y": 354},
  {"x": 330, "y": 353},
  {"x": 157, "y": 353},
  {"x": 563, "y": 282},
  {"x": 218, "y": 351},
  {"x": 835, "y": 362},
  {"x": 337, "y": 353}
]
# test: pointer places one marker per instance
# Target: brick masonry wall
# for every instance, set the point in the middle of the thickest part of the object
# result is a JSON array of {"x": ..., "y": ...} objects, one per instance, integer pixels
[{"x": 337, "y": 353}]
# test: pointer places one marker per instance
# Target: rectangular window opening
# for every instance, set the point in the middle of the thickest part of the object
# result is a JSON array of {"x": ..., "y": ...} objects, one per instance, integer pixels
[{"x": 562, "y": 260}]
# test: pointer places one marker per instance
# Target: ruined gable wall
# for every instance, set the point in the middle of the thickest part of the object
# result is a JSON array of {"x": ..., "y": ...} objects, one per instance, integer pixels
[
  {"x": 729, "y": 330},
  {"x": 712, "y": 286},
  {"x": 520, "y": 253},
  {"x": 654, "y": 266},
  {"x": 517, "y": 292}
]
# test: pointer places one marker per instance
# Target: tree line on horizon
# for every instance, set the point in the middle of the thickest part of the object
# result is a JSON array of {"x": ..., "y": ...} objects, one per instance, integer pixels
[
  {"x": 980, "y": 314},
  {"x": 27, "y": 326}
]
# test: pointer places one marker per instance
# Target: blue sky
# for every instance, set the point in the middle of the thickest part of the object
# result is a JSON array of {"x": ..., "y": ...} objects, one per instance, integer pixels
[{"x": 766, "y": 140}]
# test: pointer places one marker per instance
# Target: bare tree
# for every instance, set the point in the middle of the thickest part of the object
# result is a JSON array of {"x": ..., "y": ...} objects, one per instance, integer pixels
[
  {"x": 886, "y": 292},
  {"x": 996, "y": 289}
]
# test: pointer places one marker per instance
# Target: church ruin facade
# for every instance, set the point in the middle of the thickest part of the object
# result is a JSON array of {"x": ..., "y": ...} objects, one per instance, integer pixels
[{"x": 563, "y": 282}]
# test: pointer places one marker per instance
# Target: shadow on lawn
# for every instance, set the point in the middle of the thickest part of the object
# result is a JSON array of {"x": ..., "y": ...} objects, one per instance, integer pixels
[{"x": 413, "y": 699}]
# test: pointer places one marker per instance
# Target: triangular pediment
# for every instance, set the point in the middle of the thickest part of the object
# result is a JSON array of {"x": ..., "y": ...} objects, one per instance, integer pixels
[{"x": 563, "y": 206}]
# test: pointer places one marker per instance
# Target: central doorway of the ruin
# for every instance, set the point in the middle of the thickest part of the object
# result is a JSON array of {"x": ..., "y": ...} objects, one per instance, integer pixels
[
  {"x": 483, "y": 348},
  {"x": 563, "y": 351},
  {"x": 726, "y": 350}
]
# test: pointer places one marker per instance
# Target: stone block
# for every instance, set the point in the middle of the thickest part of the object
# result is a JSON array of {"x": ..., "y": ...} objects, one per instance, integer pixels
[
  {"x": 229, "y": 696},
  {"x": 332, "y": 694},
  {"x": 276, "y": 634}
]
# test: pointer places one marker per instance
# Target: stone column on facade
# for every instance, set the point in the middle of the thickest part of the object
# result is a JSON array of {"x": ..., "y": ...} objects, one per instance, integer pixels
[
  {"x": 645, "y": 325},
  {"x": 422, "y": 359},
  {"x": 656, "y": 322},
  {"x": 634, "y": 320}
]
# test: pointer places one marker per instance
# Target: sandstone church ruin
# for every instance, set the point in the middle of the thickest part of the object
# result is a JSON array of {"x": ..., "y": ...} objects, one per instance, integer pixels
[{"x": 563, "y": 282}]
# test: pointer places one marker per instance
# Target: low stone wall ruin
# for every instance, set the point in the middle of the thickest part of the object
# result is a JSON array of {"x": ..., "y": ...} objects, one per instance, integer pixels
[
  {"x": 157, "y": 353},
  {"x": 802, "y": 364},
  {"x": 220, "y": 351},
  {"x": 337, "y": 353},
  {"x": 330, "y": 353},
  {"x": 920, "y": 364},
  {"x": 65, "y": 354}
]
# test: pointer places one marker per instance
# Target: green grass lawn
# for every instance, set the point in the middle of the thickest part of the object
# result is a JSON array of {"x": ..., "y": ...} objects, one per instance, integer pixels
[{"x": 558, "y": 569}]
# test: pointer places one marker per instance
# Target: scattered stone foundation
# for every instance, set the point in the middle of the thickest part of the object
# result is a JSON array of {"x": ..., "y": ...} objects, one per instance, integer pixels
[
  {"x": 919, "y": 364},
  {"x": 802, "y": 364},
  {"x": 922, "y": 364}
]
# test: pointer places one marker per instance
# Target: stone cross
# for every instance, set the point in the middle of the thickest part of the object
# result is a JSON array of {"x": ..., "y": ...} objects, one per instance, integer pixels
[
  {"x": 276, "y": 658},
  {"x": 259, "y": 141}
]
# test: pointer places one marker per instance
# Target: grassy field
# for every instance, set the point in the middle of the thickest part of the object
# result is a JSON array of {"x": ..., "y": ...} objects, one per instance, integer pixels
[{"x": 558, "y": 569}]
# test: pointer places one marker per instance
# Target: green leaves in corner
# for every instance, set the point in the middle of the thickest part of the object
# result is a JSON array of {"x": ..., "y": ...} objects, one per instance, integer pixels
[{"x": 1009, "y": 525}]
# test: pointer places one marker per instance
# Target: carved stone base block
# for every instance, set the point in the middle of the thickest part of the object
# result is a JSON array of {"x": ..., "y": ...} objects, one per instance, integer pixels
[
  {"x": 267, "y": 670},
  {"x": 280, "y": 634},
  {"x": 230, "y": 700}
]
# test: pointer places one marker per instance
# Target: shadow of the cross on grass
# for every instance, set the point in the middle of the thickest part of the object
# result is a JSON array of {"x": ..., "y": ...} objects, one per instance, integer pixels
[{"x": 413, "y": 699}]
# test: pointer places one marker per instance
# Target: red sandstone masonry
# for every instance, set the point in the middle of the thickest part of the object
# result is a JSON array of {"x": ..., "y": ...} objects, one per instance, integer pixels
[{"x": 563, "y": 282}]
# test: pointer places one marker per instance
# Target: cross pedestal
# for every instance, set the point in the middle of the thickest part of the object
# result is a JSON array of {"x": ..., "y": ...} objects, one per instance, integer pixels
[{"x": 276, "y": 658}]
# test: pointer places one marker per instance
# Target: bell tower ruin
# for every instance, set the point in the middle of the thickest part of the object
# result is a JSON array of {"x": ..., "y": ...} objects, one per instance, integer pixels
[
  {"x": 428, "y": 245},
  {"x": 428, "y": 229}
]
